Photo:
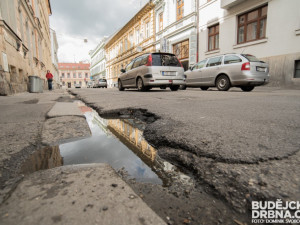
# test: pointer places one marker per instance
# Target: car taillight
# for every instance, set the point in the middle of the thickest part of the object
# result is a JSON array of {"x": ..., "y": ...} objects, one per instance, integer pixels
[
  {"x": 149, "y": 63},
  {"x": 246, "y": 66},
  {"x": 180, "y": 63}
]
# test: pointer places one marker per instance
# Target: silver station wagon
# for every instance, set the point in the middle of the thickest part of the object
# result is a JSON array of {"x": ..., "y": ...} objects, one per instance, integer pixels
[
  {"x": 230, "y": 70},
  {"x": 152, "y": 70}
]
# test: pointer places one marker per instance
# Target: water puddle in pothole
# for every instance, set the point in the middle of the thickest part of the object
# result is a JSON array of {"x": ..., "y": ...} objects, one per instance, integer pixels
[{"x": 117, "y": 142}]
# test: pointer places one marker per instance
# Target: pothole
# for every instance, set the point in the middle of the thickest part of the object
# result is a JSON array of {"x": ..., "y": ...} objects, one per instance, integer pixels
[{"x": 118, "y": 142}]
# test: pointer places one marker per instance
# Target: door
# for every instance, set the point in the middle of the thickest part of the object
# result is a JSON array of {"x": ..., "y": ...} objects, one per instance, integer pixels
[
  {"x": 210, "y": 72},
  {"x": 132, "y": 74},
  {"x": 194, "y": 76},
  {"x": 69, "y": 84},
  {"x": 124, "y": 76}
]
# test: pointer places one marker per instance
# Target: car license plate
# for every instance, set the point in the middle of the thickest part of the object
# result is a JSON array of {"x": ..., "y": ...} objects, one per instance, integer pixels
[
  {"x": 168, "y": 73},
  {"x": 260, "y": 69}
]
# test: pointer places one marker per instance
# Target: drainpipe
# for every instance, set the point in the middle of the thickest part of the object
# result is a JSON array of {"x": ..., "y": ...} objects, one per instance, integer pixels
[{"x": 197, "y": 27}]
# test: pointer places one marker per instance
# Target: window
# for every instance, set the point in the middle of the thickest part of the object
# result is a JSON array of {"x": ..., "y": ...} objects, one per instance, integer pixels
[
  {"x": 200, "y": 65},
  {"x": 213, "y": 37},
  {"x": 131, "y": 39},
  {"x": 86, "y": 75},
  {"x": 63, "y": 75},
  {"x": 147, "y": 29},
  {"x": 179, "y": 11},
  {"x": 63, "y": 83},
  {"x": 252, "y": 25},
  {"x": 126, "y": 44},
  {"x": 297, "y": 69},
  {"x": 74, "y": 75},
  {"x": 160, "y": 59},
  {"x": 137, "y": 63},
  {"x": 80, "y": 82},
  {"x": 232, "y": 59},
  {"x": 137, "y": 36},
  {"x": 69, "y": 75},
  {"x": 214, "y": 61},
  {"x": 161, "y": 21},
  {"x": 129, "y": 66},
  {"x": 74, "y": 82},
  {"x": 79, "y": 75},
  {"x": 181, "y": 50}
]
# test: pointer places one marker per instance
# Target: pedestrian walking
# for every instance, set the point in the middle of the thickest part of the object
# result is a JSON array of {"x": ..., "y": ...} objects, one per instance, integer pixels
[{"x": 49, "y": 77}]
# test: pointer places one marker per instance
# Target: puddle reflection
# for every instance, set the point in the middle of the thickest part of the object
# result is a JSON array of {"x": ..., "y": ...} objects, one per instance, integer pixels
[
  {"x": 117, "y": 142},
  {"x": 46, "y": 158}
]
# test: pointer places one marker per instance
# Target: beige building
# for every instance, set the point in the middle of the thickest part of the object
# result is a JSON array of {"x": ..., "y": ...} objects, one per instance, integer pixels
[
  {"x": 74, "y": 74},
  {"x": 24, "y": 43},
  {"x": 135, "y": 38}
]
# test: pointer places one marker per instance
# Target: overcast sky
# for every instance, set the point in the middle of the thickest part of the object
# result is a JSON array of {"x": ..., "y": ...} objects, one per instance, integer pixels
[{"x": 76, "y": 20}]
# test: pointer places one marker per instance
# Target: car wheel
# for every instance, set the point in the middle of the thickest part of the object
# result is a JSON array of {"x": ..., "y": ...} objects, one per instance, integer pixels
[
  {"x": 174, "y": 87},
  {"x": 204, "y": 88},
  {"x": 120, "y": 86},
  {"x": 247, "y": 88},
  {"x": 223, "y": 83},
  {"x": 182, "y": 87},
  {"x": 140, "y": 84}
]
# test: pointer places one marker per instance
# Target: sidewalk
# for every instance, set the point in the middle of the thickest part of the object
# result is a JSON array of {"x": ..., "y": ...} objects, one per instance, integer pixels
[{"x": 85, "y": 194}]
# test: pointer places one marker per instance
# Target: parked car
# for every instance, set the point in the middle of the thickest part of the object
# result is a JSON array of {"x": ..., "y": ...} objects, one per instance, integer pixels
[
  {"x": 229, "y": 70},
  {"x": 152, "y": 70},
  {"x": 77, "y": 85},
  {"x": 89, "y": 84},
  {"x": 101, "y": 83}
]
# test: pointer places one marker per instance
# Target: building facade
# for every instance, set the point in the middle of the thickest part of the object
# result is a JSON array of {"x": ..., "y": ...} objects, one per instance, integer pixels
[
  {"x": 176, "y": 29},
  {"x": 98, "y": 61},
  {"x": 73, "y": 74},
  {"x": 24, "y": 43},
  {"x": 135, "y": 38},
  {"x": 268, "y": 29},
  {"x": 54, "y": 49}
]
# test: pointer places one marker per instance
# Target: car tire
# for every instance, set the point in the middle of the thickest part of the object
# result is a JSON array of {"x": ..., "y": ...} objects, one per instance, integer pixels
[
  {"x": 174, "y": 87},
  {"x": 204, "y": 88},
  {"x": 247, "y": 88},
  {"x": 182, "y": 87},
  {"x": 140, "y": 84},
  {"x": 223, "y": 83},
  {"x": 120, "y": 86}
]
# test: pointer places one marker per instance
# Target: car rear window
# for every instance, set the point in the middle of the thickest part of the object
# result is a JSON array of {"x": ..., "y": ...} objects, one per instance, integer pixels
[
  {"x": 251, "y": 58},
  {"x": 102, "y": 80},
  {"x": 165, "y": 60}
]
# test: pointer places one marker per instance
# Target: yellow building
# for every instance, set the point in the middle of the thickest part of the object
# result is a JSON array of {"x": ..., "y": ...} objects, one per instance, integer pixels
[
  {"x": 135, "y": 38},
  {"x": 133, "y": 135},
  {"x": 25, "y": 44}
]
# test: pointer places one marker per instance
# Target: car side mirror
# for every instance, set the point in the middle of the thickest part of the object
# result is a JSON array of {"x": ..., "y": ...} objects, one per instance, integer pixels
[
  {"x": 123, "y": 70},
  {"x": 191, "y": 68}
]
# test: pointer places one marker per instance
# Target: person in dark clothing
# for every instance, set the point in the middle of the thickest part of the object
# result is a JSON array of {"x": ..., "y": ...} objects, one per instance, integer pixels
[{"x": 49, "y": 77}]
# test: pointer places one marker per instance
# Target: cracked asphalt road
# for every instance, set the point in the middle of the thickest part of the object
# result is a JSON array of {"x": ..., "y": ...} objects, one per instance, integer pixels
[{"x": 245, "y": 145}]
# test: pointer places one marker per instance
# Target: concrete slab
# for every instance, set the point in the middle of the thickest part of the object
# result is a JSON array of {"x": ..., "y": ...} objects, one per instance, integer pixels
[
  {"x": 62, "y": 129},
  {"x": 83, "y": 194},
  {"x": 64, "y": 109}
]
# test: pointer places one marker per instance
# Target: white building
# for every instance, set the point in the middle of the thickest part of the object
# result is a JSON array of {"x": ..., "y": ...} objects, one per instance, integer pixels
[
  {"x": 98, "y": 61},
  {"x": 176, "y": 26},
  {"x": 268, "y": 29},
  {"x": 54, "y": 49}
]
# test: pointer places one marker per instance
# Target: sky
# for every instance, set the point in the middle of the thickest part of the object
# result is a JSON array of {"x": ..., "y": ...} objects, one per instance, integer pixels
[{"x": 76, "y": 20}]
